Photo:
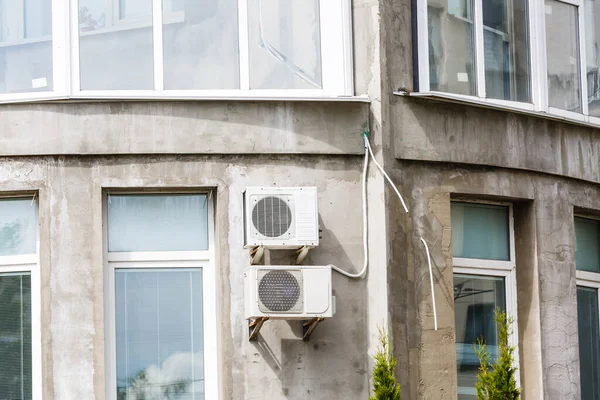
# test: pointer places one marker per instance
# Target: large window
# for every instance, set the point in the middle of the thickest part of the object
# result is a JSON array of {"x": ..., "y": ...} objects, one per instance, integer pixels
[
  {"x": 479, "y": 48},
  {"x": 587, "y": 259},
  {"x": 25, "y": 46},
  {"x": 537, "y": 56},
  {"x": 484, "y": 279},
  {"x": 160, "y": 310},
  {"x": 174, "y": 49},
  {"x": 20, "y": 355}
]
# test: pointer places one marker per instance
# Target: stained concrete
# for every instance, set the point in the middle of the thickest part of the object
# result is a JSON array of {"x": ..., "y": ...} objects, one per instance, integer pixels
[
  {"x": 438, "y": 131},
  {"x": 222, "y": 127},
  {"x": 280, "y": 365},
  {"x": 546, "y": 299}
]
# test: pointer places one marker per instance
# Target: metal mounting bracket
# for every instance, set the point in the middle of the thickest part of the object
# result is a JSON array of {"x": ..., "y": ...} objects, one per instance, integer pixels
[
  {"x": 309, "y": 326},
  {"x": 254, "y": 327}
]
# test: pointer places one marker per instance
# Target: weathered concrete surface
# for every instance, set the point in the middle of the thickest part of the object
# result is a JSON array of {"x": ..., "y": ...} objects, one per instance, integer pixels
[
  {"x": 182, "y": 128},
  {"x": 546, "y": 299},
  {"x": 437, "y": 131},
  {"x": 280, "y": 365}
]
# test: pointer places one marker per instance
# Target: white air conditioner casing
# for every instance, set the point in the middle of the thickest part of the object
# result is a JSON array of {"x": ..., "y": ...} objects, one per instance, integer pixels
[
  {"x": 288, "y": 292},
  {"x": 280, "y": 217}
]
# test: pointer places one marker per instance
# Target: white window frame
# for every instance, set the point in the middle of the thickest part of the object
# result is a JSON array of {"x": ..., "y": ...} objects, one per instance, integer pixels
[
  {"x": 336, "y": 58},
  {"x": 497, "y": 268},
  {"x": 204, "y": 260},
  {"x": 537, "y": 60},
  {"x": 30, "y": 264}
]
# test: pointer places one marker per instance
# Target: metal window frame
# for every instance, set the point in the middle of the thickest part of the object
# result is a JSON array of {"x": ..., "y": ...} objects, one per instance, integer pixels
[
  {"x": 497, "y": 268},
  {"x": 537, "y": 61},
  {"x": 30, "y": 264},
  {"x": 204, "y": 260}
]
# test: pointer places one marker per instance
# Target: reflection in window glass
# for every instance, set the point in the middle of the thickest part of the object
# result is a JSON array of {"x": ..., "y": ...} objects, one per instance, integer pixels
[
  {"x": 562, "y": 52},
  {"x": 25, "y": 66},
  {"x": 140, "y": 9},
  {"x": 505, "y": 42},
  {"x": 158, "y": 222},
  {"x": 159, "y": 332},
  {"x": 115, "y": 52},
  {"x": 592, "y": 54},
  {"x": 285, "y": 50},
  {"x": 200, "y": 44},
  {"x": 587, "y": 244},
  {"x": 18, "y": 227},
  {"x": 15, "y": 336},
  {"x": 475, "y": 299},
  {"x": 451, "y": 46},
  {"x": 589, "y": 339},
  {"x": 480, "y": 231}
]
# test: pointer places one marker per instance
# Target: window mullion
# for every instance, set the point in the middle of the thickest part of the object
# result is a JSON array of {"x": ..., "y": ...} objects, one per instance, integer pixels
[
  {"x": 61, "y": 65},
  {"x": 537, "y": 44},
  {"x": 479, "y": 51},
  {"x": 244, "y": 44},
  {"x": 582, "y": 60},
  {"x": 423, "y": 46},
  {"x": 157, "y": 42},
  {"x": 75, "y": 83}
]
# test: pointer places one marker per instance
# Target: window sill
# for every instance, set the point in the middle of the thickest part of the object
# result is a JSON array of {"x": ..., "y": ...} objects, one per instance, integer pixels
[
  {"x": 182, "y": 95},
  {"x": 511, "y": 106}
]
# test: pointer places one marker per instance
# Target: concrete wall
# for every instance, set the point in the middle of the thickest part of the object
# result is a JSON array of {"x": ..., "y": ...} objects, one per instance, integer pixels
[
  {"x": 183, "y": 128},
  {"x": 545, "y": 265},
  {"x": 333, "y": 364},
  {"x": 438, "y": 131}
]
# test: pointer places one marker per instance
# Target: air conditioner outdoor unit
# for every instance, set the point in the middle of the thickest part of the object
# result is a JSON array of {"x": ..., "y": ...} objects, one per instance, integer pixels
[
  {"x": 288, "y": 292},
  {"x": 281, "y": 217}
]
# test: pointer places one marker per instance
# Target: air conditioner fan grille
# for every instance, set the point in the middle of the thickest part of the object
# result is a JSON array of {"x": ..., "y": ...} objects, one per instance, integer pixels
[
  {"x": 272, "y": 217},
  {"x": 280, "y": 291}
]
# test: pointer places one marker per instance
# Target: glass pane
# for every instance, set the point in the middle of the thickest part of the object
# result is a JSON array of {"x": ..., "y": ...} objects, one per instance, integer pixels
[
  {"x": 200, "y": 44},
  {"x": 592, "y": 54},
  {"x": 587, "y": 316},
  {"x": 475, "y": 299},
  {"x": 480, "y": 231},
  {"x": 115, "y": 45},
  {"x": 18, "y": 227},
  {"x": 158, "y": 222},
  {"x": 505, "y": 42},
  {"x": 15, "y": 336},
  {"x": 159, "y": 331},
  {"x": 25, "y": 46},
  {"x": 285, "y": 49},
  {"x": 451, "y": 46},
  {"x": 587, "y": 244},
  {"x": 563, "y": 56}
]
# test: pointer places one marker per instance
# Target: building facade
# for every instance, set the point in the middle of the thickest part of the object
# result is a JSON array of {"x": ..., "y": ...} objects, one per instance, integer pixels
[{"x": 130, "y": 129}]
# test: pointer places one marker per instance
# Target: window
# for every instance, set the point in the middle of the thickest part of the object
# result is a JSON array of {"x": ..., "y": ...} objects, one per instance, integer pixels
[
  {"x": 539, "y": 56},
  {"x": 20, "y": 355},
  {"x": 160, "y": 300},
  {"x": 479, "y": 48},
  {"x": 25, "y": 46},
  {"x": 484, "y": 279},
  {"x": 52, "y": 49},
  {"x": 587, "y": 260}
]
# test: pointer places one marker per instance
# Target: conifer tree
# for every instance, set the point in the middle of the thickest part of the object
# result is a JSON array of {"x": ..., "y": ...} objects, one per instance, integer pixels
[
  {"x": 385, "y": 386},
  {"x": 497, "y": 381}
]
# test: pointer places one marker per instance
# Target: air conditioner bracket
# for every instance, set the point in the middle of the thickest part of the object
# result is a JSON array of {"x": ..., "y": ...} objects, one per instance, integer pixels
[
  {"x": 254, "y": 327},
  {"x": 309, "y": 326}
]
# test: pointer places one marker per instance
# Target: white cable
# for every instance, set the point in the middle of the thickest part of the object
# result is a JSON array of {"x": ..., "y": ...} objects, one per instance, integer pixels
[
  {"x": 384, "y": 174},
  {"x": 431, "y": 282},
  {"x": 368, "y": 152},
  {"x": 365, "y": 223}
]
